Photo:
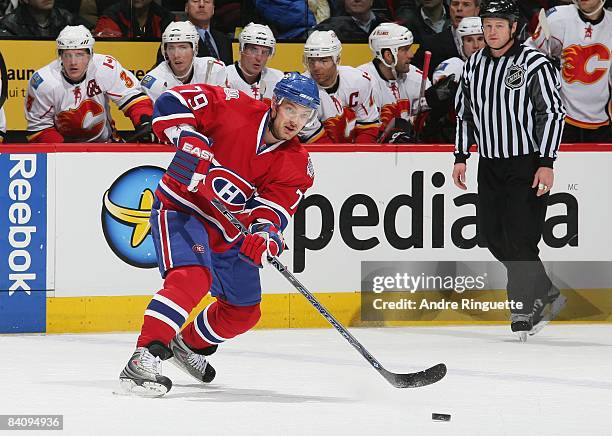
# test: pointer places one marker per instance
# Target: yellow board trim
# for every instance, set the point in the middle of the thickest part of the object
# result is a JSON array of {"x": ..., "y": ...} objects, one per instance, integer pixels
[{"x": 125, "y": 313}]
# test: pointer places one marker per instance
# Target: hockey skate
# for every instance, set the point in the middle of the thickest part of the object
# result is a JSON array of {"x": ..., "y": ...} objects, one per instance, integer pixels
[
  {"x": 545, "y": 312},
  {"x": 142, "y": 375},
  {"x": 521, "y": 325},
  {"x": 192, "y": 362}
]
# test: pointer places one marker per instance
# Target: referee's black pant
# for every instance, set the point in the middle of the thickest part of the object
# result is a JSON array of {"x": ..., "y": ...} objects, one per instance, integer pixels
[{"x": 510, "y": 220}]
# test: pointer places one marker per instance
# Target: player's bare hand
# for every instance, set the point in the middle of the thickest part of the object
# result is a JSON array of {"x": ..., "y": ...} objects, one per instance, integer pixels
[
  {"x": 543, "y": 180},
  {"x": 459, "y": 175}
]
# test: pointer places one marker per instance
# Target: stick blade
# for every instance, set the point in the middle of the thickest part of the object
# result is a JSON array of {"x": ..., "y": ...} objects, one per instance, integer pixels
[
  {"x": 416, "y": 379},
  {"x": 543, "y": 22}
]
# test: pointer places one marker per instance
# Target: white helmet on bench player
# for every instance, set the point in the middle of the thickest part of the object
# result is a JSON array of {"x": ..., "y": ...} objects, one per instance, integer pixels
[
  {"x": 390, "y": 36},
  {"x": 180, "y": 31},
  {"x": 321, "y": 44},
  {"x": 258, "y": 34},
  {"x": 470, "y": 26},
  {"x": 74, "y": 38}
]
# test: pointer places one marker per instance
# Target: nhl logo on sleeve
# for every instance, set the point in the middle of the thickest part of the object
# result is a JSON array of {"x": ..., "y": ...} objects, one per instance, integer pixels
[{"x": 515, "y": 77}]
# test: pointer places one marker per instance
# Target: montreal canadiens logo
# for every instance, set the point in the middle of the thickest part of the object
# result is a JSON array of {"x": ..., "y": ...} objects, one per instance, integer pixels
[
  {"x": 228, "y": 191},
  {"x": 515, "y": 77},
  {"x": 232, "y": 189},
  {"x": 198, "y": 248}
]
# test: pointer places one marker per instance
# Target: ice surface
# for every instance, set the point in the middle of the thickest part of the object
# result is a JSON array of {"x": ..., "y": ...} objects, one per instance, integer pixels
[{"x": 311, "y": 382}]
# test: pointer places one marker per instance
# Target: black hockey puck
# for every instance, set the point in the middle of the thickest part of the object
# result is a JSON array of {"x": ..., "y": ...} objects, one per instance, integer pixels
[{"x": 440, "y": 417}]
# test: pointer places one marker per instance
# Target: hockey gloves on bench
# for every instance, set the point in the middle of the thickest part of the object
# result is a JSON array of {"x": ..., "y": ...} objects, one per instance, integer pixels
[
  {"x": 264, "y": 239},
  {"x": 192, "y": 159}
]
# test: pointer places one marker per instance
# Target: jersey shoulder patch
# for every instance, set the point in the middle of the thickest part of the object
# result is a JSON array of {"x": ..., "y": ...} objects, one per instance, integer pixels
[
  {"x": 148, "y": 81},
  {"x": 551, "y": 11},
  {"x": 310, "y": 168},
  {"x": 36, "y": 80},
  {"x": 442, "y": 66}
]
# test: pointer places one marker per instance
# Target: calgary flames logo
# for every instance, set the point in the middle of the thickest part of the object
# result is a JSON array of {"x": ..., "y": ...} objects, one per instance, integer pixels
[
  {"x": 82, "y": 123},
  {"x": 400, "y": 109},
  {"x": 576, "y": 58},
  {"x": 340, "y": 128}
]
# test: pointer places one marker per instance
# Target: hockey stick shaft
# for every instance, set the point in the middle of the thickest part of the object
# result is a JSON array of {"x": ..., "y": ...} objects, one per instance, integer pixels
[
  {"x": 209, "y": 66},
  {"x": 414, "y": 379},
  {"x": 544, "y": 28},
  {"x": 426, "y": 63},
  {"x": 388, "y": 128}
]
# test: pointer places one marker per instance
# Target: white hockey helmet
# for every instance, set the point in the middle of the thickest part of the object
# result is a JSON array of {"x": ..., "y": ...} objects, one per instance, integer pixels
[
  {"x": 391, "y": 36},
  {"x": 258, "y": 34},
  {"x": 322, "y": 43},
  {"x": 75, "y": 37},
  {"x": 180, "y": 31},
  {"x": 470, "y": 26}
]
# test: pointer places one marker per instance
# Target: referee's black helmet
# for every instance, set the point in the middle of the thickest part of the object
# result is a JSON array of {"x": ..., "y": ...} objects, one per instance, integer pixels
[{"x": 507, "y": 9}]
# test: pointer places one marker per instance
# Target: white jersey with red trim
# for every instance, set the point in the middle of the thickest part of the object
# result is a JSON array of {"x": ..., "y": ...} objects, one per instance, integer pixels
[
  {"x": 584, "y": 49},
  {"x": 348, "y": 112},
  {"x": 259, "y": 90},
  {"x": 395, "y": 98},
  {"x": 162, "y": 78},
  {"x": 80, "y": 112},
  {"x": 448, "y": 67}
]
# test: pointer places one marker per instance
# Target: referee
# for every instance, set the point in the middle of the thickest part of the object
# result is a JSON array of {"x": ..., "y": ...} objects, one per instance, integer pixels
[{"x": 508, "y": 104}]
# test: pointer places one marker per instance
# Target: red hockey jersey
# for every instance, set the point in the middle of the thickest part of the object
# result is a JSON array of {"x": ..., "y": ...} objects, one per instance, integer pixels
[{"x": 255, "y": 180}]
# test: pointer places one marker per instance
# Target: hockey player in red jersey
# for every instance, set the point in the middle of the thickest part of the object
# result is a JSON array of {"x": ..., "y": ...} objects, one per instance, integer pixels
[
  {"x": 245, "y": 153},
  {"x": 68, "y": 100}
]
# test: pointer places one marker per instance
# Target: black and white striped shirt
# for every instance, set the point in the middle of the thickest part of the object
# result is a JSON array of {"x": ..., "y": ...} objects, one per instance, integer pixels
[{"x": 509, "y": 106}]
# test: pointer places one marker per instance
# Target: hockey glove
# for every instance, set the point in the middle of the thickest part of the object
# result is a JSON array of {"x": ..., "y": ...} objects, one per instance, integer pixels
[
  {"x": 264, "y": 239},
  {"x": 143, "y": 131},
  {"x": 192, "y": 159},
  {"x": 442, "y": 92}
]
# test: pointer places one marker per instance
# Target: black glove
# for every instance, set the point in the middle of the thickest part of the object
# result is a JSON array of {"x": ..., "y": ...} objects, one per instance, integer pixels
[
  {"x": 143, "y": 131},
  {"x": 402, "y": 138},
  {"x": 406, "y": 134},
  {"x": 442, "y": 92}
]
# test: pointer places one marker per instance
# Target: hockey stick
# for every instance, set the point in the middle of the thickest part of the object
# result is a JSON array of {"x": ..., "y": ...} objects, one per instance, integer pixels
[
  {"x": 209, "y": 65},
  {"x": 545, "y": 28},
  {"x": 138, "y": 133},
  {"x": 262, "y": 88},
  {"x": 385, "y": 134},
  {"x": 423, "y": 80},
  {"x": 417, "y": 134},
  {"x": 409, "y": 380}
]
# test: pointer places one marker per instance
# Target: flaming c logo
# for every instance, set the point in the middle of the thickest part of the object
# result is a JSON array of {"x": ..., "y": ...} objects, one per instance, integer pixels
[
  {"x": 575, "y": 60},
  {"x": 400, "y": 109},
  {"x": 83, "y": 122},
  {"x": 340, "y": 128}
]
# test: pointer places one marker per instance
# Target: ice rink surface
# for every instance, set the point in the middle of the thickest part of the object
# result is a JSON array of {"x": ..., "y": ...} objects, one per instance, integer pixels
[{"x": 311, "y": 382}]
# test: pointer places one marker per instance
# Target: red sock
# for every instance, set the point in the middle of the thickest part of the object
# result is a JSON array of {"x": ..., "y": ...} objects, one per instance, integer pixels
[
  {"x": 219, "y": 322},
  {"x": 184, "y": 288}
]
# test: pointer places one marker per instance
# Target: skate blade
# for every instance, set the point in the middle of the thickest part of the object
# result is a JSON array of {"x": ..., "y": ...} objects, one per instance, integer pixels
[
  {"x": 550, "y": 314},
  {"x": 522, "y": 336},
  {"x": 147, "y": 389}
]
